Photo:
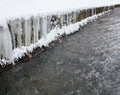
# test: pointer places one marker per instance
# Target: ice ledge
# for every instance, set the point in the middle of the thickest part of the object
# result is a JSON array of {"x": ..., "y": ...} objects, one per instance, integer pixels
[{"x": 19, "y": 53}]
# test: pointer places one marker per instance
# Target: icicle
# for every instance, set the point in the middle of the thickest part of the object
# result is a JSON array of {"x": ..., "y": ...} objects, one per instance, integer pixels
[
  {"x": 64, "y": 20},
  {"x": 35, "y": 28},
  {"x": 78, "y": 18},
  {"x": 28, "y": 32},
  {"x": 23, "y": 31},
  {"x": 5, "y": 43},
  {"x": 48, "y": 24},
  {"x": 74, "y": 17},
  {"x": 18, "y": 31},
  {"x": 32, "y": 30},
  {"x": 58, "y": 22},
  {"x": 44, "y": 27},
  {"x": 92, "y": 11},
  {"x": 61, "y": 20},
  {"x": 40, "y": 28},
  {"x": 67, "y": 19},
  {"x": 87, "y": 13},
  {"x": 11, "y": 29},
  {"x": 1, "y": 42}
]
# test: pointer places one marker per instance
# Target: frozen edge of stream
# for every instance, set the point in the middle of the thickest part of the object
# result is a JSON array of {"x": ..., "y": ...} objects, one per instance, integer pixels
[{"x": 55, "y": 34}]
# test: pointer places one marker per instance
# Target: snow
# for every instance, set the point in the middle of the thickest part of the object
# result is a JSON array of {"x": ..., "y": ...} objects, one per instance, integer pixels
[
  {"x": 10, "y": 9},
  {"x": 4, "y": 62}
]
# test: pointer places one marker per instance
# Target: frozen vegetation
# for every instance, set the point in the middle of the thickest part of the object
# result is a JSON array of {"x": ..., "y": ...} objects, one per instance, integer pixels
[{"x": 28, "y": 24}]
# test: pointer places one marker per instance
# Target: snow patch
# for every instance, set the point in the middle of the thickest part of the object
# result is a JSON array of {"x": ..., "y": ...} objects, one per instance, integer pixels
[{"x": 11, "y": 9}]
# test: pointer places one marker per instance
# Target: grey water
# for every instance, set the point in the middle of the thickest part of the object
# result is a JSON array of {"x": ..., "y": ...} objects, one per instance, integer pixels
[{"x": 87, "y": 63}]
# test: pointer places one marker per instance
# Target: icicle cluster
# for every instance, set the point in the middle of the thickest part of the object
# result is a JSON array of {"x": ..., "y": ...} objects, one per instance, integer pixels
[{"x": 24, "y": 32}]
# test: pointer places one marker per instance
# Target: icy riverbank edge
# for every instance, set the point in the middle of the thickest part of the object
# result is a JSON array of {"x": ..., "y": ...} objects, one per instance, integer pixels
[{"x": 55, "y": 34}]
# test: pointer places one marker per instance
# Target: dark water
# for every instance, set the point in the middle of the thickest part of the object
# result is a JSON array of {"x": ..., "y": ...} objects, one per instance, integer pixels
[{"x": 88, "y": 63}]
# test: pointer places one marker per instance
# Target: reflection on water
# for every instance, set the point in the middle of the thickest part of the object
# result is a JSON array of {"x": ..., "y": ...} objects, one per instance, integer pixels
[{"x": 86, "y": 64}]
